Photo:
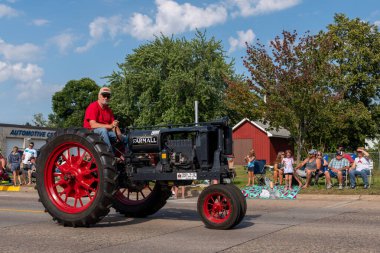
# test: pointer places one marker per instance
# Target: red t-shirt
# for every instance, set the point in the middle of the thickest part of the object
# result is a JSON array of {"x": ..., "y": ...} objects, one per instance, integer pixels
[
  {"x": 348, "y": 157},
  {"x": 99, "y": 114}
]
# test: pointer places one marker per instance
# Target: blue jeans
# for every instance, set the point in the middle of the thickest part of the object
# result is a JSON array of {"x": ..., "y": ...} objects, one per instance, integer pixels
[
  {"x": 110, "y": 136},
  {"x": 364, "y": 174}
]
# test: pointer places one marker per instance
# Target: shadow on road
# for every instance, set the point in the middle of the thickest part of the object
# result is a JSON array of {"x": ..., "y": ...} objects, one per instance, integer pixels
[{"x": 115, "y": 220}]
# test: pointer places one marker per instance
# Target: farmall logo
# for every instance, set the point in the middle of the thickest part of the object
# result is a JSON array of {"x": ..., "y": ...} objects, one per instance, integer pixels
[{"x": 144, "y": 140}]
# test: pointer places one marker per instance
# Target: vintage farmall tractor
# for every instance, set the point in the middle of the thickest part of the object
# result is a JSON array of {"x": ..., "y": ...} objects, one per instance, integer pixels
[{"x": 79, "y": 178}]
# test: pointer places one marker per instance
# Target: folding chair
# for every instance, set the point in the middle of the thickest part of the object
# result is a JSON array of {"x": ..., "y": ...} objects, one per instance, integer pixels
[{"x": 260, "y": 171}]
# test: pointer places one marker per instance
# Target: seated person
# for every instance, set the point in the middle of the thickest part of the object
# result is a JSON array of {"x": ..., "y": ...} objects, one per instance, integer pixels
[
  {"x": 99, "y": 117},
  {"x": 337, "y": 167},
  {"x": 324, "y": 166},
  {"x": 360, "y": 166},
  {"x": 312, "y": 164}
]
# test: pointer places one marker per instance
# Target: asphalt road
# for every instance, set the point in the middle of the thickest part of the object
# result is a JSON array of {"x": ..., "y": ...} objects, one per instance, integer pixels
[{"x": 309, "y": 224}]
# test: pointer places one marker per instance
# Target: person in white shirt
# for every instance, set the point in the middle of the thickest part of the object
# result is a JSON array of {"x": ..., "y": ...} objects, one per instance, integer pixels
[
  {"x": 361, "y": 166},
  {"x": 26, "y": 157}
]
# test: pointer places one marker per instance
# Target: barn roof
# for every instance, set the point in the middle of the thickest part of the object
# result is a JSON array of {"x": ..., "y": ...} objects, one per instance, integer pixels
[{"x": 281, "y": 132}]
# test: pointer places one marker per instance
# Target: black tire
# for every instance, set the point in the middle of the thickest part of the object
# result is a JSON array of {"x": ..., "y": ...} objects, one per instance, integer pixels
[
  {"x": 154, "y": 199},
  {"x": 224, "y": 201},
  {"x": 76, "y": 190},
  {"x": 242, "y": 201}
]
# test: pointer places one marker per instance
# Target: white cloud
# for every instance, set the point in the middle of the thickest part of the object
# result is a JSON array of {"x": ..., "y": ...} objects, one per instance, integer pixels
[
  {"x": 19, "y": 72},
  {"x": 26, "y": 51},
  {"x": 40, "y": 22},
  {"x": 377, "y": 23},
  {"x": 6, "y": 11},
  {"x": 27, "y": 79},
  {"x": 243, "y": 37},
  {"x": 63, "y": 41},
  {"x": 102, "y": 26},
  {"x": 257, "y": 7},
  {"x": 172, "y": 18}
]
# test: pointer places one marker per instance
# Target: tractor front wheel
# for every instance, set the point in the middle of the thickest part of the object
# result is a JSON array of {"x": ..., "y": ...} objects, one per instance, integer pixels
[{"x": 219, "y": 207}]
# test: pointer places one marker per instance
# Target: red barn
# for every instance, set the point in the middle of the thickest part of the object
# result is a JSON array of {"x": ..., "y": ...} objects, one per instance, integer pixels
[{"x": 253, "y": 134}]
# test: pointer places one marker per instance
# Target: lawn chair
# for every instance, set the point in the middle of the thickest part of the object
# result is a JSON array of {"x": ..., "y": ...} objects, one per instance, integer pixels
[{"x": 260, "y": 171}]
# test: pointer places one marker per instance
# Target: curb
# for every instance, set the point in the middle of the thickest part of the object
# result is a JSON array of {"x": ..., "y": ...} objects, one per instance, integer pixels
[
  {"x": 10, "y": 188},
  {"x": 338, "y": 197},
  {"x": 191, "y": 192}
]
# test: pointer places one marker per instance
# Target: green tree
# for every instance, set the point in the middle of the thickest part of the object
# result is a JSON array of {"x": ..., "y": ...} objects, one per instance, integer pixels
[
  {"x": 160, "y": 81},
  {"x": 70, "y": 103},
  {"x": 242, "y": 102},
  {"x": 356, "y": 52},
  {"x": 295, "y": 80},
  {"x": 38, "y": 120}
]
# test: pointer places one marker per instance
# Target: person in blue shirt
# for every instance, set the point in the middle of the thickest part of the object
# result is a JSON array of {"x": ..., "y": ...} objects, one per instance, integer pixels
[
  {"x": 14, "y": 159},
  {"x": 250, "y": 160}
]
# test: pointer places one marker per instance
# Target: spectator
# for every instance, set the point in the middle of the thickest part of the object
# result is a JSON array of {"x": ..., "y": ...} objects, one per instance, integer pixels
[
  {"x": 288, "y": 169},
  {"x": 312, "y": 164},
  {"x": 360, "y": 167},
  {"x": 27, "y": 169},
  {"x": 175, "y": 191},
  {"x": 337, "y": 167},
  {"x": 3, "y": 161},
  {"x": 3, "y": 166},
  {"x": 278, "y": 168},
  {"x": 14, "y": 159},
  {"x": 324, "y": 166},
  {"x": 250, "y": 160},
  {"x": 345, "y": 155},
  {"x": 100, "y": 118}
]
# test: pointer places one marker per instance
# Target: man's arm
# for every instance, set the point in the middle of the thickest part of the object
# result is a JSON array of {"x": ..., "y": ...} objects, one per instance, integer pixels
[
  {"x": 330, "y": 167},
  {"x": 346, "y": 165},
  {"x": 95, "y": 124},
  {"x": 319, "y": 164},
  {"x": 301, "y": 164},
  {"x": 3, "y": 162}
]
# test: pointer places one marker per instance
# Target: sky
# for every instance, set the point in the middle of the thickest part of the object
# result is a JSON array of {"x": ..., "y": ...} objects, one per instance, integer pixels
[{"x": 45, "y": 44}]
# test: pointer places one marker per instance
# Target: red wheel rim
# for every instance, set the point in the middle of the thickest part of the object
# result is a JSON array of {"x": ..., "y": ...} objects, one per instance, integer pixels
[
  {"x": 217, "y": 207},
  {"x": 71, "y": 177},
  {"x": 129, "y": 196}
]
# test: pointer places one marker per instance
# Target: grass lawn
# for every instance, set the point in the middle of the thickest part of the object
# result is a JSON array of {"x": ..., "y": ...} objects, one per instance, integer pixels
[{"x": 241, "y": 180}]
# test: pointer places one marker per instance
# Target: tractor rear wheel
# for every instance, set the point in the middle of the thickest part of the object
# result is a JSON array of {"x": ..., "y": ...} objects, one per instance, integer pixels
[
  {"x": 76, "y": 178},
  {"x": 142, "y": 199}
]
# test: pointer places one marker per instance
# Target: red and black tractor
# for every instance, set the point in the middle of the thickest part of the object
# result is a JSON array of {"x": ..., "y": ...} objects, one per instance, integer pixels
[{"x": 79, "y": 178}]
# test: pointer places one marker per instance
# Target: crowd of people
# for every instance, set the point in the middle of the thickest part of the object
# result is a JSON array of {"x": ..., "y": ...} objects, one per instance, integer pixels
[
  {"x": 314, "y": 167},
  {"x": 21, "y": 164}
]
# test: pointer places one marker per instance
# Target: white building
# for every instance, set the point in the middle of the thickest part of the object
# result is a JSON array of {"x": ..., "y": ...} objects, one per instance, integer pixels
[{"x": 21, "y": 136}]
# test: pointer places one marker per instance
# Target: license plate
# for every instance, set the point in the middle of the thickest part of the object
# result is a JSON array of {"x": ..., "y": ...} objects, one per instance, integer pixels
[{"x": 187, "y": 176}]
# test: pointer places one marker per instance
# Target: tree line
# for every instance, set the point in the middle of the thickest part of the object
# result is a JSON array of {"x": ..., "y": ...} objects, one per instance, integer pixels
[{"x": 323, "y": 88}]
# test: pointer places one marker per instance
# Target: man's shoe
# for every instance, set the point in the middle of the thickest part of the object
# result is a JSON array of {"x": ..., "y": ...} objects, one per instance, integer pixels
[
  {"x": 353, "y": 186},
  {"x": 365, "y": 186},
  {"x": 329, "y": 186},
  {"x": 340, "y": 187}
]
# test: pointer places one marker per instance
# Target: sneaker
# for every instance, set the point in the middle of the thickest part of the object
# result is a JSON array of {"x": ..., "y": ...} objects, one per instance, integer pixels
[
  {"x": 329, "y": 186},
  {"x": 365, "y": 186},
  {"x": 353, "y": 186},
  {"x": 340, "y": 187}
]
